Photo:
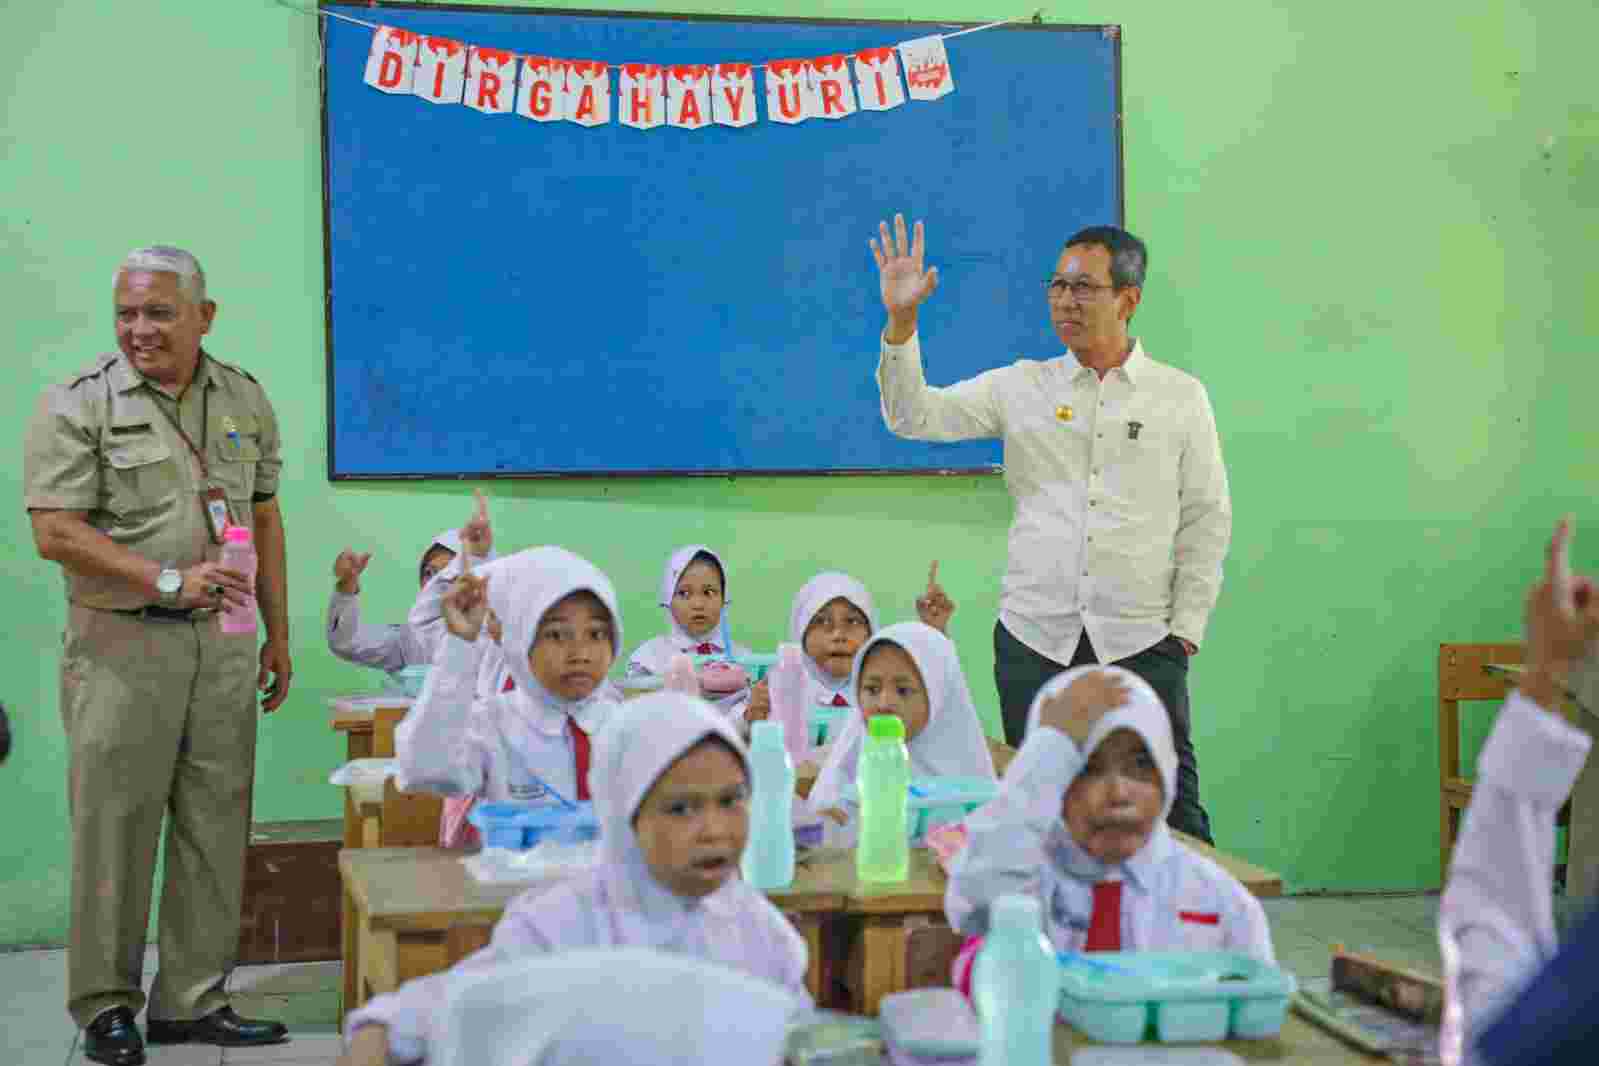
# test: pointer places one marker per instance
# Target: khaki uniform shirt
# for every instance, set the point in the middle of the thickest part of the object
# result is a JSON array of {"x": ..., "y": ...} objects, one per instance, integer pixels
[{"x": 100, "y": 443}]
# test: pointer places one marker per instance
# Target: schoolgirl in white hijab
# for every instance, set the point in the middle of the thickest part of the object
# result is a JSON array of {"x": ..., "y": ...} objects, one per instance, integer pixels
[
  {"x": 944, "y": 736},
  {"x": 396, "y": 646},
  {"x": 556, "y": 610},
  {"x": 670, "y": 790},
  {"x": 1162, "y": 897},
  {"x": 693, "y": 594},
  {"x": 831, "y": 633}
]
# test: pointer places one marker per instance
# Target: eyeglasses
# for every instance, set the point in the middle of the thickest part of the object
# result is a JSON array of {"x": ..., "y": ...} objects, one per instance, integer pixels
[{"x": 1082, "y": 291}]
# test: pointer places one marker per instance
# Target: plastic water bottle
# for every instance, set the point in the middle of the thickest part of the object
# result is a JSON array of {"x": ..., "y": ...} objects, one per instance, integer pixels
[
  {"x": 1016, "y": 986},
  {"x": 786, "y": 686},
  {"x": 238, "y": 554},
  {"x": 680, "y": 676},
  {"x": 768, "y": 860},
  {"x": 883, "y": 852}
]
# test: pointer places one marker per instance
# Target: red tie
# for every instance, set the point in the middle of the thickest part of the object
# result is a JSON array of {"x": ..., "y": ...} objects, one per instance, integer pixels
[
  {"x": 580, "y": 756},
  {"x": 707, "y": 649},
  {"x": 840, "y": 701},
  {"x": 580, "y": 749},
  {"x": 1105, "y": 924}
]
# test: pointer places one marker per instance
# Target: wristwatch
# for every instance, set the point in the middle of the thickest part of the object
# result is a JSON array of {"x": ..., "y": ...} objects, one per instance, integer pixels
[{"x": 168, "y": 584}]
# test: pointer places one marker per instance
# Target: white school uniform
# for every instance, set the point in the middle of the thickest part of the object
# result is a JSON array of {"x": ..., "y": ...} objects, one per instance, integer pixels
[
  {"x": 620, "y": 903},
  {"x": 426, "y": 619},
  {"x": 951, "y": 745},
  {"x": 654, "y": 656},
  {"x": 388, "y": 647},
  {"x": 1172, "y": 898},
  {"x": 514, "y": 745},
  {"x": 620, "y": 1005},
  {"x": 1497, "y": 909},
  {"x": 822, "y": 688}
]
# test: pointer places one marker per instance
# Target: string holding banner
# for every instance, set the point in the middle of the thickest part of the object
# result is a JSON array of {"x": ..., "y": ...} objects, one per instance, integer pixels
[{"x": 650, "y": 96}]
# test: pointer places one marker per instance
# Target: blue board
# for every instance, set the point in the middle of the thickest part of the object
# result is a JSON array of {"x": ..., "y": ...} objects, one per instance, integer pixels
[{"x": 511, "y": 298}]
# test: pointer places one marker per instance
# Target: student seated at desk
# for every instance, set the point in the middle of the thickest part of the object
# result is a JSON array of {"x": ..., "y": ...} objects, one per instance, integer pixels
[
  {"x": 830, "y": 619},
  {"x": 671, "y": 788},
  {"x": 693, "y": 593},
  {"x": 1519, "y": 995},
  {"x": 415, "y": 641},
  {"x": 1080, "y": 822},
  {"x": 560, "y": 630},
  {"x": 909, "y": 670}
]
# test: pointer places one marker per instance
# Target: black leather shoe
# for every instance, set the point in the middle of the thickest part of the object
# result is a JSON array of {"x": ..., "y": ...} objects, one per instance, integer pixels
[
  {"x": 221, "y": 1027},
  {"x": 113, "y": 1039}
]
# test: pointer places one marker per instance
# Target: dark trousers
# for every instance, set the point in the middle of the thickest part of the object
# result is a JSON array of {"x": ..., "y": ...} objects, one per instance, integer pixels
[{"x": 1019, "y": 672}]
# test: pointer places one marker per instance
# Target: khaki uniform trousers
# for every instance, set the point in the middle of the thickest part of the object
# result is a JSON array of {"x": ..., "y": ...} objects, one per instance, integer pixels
[{"x": 160, "y": 720}]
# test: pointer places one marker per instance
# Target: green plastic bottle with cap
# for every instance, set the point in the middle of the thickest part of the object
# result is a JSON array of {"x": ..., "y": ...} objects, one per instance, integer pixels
[{"x": 882, "y": 852}]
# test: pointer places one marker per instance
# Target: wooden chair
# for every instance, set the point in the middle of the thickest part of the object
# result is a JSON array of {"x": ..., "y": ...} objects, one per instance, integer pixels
[
  {"x": 408, "y": 819},
  {"x": 1462, "y": 675}
]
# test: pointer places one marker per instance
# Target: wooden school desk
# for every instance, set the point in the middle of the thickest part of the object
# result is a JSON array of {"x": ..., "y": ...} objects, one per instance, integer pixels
[{"x": 1300, "y": 1043}]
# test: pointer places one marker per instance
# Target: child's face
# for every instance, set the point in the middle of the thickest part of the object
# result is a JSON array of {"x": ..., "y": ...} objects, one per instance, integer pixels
[
  {"x": 573, "y": 648},
  {"x": 697, "y": 601},
  {"x": 437, "y": 558},
  {"x": 693, "y": 822},
  {"x": 835, "y": 634},
  {"x": 891, "y": 684},
  {"x": 1112, "y": 806}
]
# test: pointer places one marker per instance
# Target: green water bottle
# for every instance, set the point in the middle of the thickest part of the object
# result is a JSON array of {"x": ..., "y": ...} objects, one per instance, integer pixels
[{"x": 883, "y": 849}]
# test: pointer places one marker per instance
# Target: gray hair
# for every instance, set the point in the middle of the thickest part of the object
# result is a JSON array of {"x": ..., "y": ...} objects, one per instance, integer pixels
[{"x": 165, "y": 259}]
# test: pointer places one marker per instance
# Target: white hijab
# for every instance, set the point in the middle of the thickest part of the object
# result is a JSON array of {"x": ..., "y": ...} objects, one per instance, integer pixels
[
  {"x": 1145, "y": 715},
  {"x": 641, "y": 741},
  {"x": 815, "y": 594},
  {"x": 675, "y": 566},
  {"x": 599, "y": 1005},
  {"x": 951, "y": 745},
  {"x": 522, "y": 588}
]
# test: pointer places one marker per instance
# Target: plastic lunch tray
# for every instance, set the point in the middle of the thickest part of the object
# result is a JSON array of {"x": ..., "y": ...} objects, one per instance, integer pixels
[
  {"x": 522, "y": 825},
  {"x": 936, "y": 801},
  {"x": 1120, "y": 997},
  {"x": 756, "y": 665}
]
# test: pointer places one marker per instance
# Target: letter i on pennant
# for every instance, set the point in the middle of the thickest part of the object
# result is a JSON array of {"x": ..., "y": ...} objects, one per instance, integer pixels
[
  {"x": 391, "y": 65},
  {"x": 490, "y": 80},
  {"x": 877, "y": 79},
  {"x": 733, "y": 94},
  {"x": 440, "y": 70}
]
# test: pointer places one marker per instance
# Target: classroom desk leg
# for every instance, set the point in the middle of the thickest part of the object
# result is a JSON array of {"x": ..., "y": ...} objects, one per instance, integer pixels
[
  {"x": 380, "y": 962},
  {"x": 809, "y": 926},
  {"x": 877, "y": 961},
  {"x": 350, "y": 928}
]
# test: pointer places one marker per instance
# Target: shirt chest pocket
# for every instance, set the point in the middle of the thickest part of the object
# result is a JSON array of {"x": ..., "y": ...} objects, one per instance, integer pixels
[
  {"x": 138, "y": 474},
  {"x": 1200, "y": 929},
  {"x": 235, "y": 449},
  {"x": 1150, "y": 454}
]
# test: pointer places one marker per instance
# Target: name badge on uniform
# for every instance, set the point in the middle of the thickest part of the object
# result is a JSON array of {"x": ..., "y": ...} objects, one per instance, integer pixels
[
  {"x": 230, "y": 429},
  {"x": 529, "y": 792},
  {"x": 215, "y": 504}
]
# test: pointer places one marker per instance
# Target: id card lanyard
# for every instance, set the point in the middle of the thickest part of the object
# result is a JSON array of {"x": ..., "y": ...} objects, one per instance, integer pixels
[{"x": 213, "y": 501}]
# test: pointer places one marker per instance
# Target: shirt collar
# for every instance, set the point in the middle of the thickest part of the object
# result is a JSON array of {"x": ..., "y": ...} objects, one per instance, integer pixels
[
  {"x": 1133, "y": 368},
  {"x": 125, "y": 379},
  {"x": 1140, "y": 869}
]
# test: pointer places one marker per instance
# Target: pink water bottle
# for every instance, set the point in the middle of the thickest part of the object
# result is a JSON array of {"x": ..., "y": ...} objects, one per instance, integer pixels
[
  {"x": 238, "y": 554},
  {"x": 786, "y": 683}
]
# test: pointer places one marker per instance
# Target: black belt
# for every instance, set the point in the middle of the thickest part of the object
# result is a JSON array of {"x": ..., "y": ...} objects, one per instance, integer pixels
[{"x": 157, "y": 613}]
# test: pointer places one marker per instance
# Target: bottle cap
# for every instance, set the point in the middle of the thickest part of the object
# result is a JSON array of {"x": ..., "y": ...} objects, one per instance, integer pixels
[
  {"x": 236, "y": 535},
  {"x": 1015, "y": 912},
  {"x": 765, "y": 735},
  {"x": 885, "y": 725}
]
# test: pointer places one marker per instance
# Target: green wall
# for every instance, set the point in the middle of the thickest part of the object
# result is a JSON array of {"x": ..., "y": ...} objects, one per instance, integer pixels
[{"x": 1371, "y": 227}]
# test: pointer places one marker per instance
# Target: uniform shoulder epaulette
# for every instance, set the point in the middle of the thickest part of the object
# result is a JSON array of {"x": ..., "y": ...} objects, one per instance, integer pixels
[
  {"x": 94, "y": 369},
  {"x": 239, "y": 370}
]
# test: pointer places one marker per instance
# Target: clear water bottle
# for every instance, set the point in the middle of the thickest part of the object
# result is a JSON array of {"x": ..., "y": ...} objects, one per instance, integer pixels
[
  {"x": 786, "y": 685},
  {"x": 1016, "y": 986},
  {"x": 680, "y": 676},
  {"x": 238, "y": 554},
  {"x": 883, "y": 851},
  {"x": 768, "y": 860}
]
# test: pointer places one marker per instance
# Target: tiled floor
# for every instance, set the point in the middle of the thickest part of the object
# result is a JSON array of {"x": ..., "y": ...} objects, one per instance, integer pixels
[{"x": 35, "y": 1029}]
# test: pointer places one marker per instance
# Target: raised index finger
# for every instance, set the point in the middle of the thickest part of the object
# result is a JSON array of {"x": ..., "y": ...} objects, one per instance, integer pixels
[
  {"x": 932, "y": 576},
  {"x": 482, "y": 505},
  {"x": 1559, "y": 565}
]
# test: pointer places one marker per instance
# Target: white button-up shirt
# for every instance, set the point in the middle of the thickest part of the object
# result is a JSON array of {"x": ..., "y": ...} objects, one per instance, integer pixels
[{"x": 1122, "y": 512}]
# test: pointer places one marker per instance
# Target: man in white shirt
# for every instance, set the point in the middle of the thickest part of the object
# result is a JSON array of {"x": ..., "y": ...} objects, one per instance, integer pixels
[{"x": 1122, "y": 513}]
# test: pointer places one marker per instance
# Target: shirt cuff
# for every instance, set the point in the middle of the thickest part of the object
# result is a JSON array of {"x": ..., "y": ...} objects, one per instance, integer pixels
[
  {"x": 1533, "y": 753},
  {"x": 912, "y": 345},
  {"x": 59, "y": 501}
]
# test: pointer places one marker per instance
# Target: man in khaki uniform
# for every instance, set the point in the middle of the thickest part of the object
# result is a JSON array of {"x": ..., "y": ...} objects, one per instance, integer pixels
[{"x": 129, "y": 467}]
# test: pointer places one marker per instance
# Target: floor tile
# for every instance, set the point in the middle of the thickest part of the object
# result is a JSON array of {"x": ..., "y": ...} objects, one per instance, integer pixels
[
  {"x": 167, "y": 1055},
  {"x": 301, "y": 1047}
]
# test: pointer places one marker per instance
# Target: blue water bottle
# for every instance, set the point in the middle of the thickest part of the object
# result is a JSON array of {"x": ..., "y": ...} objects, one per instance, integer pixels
[
  {"x": 768, "y": 860},
  {"x": 882, "y": 851},
  {"x": 1016, "y": 986}
]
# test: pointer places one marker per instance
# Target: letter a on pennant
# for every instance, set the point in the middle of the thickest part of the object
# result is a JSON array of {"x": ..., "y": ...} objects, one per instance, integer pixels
[
  {"x": 733, "y": 94},
  {"x": 835, "y": 92},
  {"x": 541, "y": 89},
  {"x": 877, "y": 79},
  {"x": 641, "y": 96},
  {"x": 688, "y": 97},
  {"x": 927, "y": 68},
  {"x": 790, "y": 91},
  {"x": 440, "y": 70},
  {"x": 490, "y": 80},
  {"x": 588, "y": 92},
  {"x": 391, "y": 65}
]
